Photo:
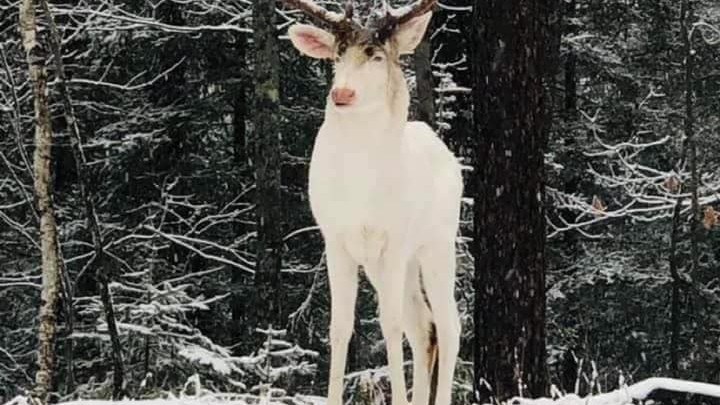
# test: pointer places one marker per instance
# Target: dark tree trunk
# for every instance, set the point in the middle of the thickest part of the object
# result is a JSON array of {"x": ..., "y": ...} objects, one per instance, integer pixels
[
  {"x": 690, "y": 145},
  {"x": 267, "y": 164},
  {"x": 675, "y": 295},
  {"x": 508, "y": 60},
  {"x": 239, "y": 104},
  {"x": 239, "y": 304},
  {"x": 570, "y": 63},
  {"x": 68, "y": 304},
  {"x": 115, "y": 345},
  {"x": 424, "y": 81},
  {"x": 687, "y": 16},
  {"x": 675, "y": 232}
]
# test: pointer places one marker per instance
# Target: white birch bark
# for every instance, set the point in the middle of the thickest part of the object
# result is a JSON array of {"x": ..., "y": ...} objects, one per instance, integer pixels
[{"x": 43, "y": 196}]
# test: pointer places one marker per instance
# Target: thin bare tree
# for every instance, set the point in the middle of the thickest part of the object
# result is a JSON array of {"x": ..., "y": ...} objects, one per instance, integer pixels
[
  {"x": 36, "y": 57},
  {"x": 101, "y": 259}
]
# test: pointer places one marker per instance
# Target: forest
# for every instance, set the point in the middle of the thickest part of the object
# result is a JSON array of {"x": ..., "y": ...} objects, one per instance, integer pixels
[{"x": 157, "y": 239}]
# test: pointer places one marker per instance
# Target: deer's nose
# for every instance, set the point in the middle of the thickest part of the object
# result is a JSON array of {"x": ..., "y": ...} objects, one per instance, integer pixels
[{"x": 342, "y": 96}]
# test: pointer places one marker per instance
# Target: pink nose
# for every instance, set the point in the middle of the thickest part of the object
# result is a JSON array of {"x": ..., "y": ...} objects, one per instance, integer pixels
[{"x": 342, "y": 96}]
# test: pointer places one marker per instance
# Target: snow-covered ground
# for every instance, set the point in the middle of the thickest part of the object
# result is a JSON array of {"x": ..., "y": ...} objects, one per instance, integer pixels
[
  {"x": 625, "y": 395},
  {"x": 209, "y": 399}
]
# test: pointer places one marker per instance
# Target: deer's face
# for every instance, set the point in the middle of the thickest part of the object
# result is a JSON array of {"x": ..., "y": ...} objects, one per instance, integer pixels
[
  {"x": 367, "y": 69},
  {"x": 366, "y": 74}
]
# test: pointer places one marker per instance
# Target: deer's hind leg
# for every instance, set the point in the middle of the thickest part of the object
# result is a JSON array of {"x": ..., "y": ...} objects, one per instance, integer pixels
[{"x": 437, "y": 264}]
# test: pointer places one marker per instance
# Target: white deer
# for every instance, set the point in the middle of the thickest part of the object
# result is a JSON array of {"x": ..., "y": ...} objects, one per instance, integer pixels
[{"x": 386, "y": 195}]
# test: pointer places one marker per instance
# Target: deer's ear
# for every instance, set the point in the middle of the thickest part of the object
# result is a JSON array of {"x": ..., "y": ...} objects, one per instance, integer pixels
[
  {"x": 409, "y": 35},
  {"x": 312, "y": 41}
]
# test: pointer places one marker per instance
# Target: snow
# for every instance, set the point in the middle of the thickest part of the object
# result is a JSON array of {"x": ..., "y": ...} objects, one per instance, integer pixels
[
  {"x": 206, "y": 357},
  {"x": 627, "y": 394},
  {"x": 206, "y": 399}
]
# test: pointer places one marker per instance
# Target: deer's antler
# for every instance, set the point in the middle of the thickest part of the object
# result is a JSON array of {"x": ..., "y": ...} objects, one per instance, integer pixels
[
  {"x": 335, "y": 21},
  {"x": 391, "y": 20},
  {"x": 344, "y": 25},
  {"x": 418, "y": 9}
]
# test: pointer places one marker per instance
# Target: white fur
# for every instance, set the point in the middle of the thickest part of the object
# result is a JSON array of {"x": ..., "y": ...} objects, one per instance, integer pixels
[{"x": 386, "y": 195}]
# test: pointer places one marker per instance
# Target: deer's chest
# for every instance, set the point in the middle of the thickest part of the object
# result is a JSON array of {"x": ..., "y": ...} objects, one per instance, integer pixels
[
  {"x": 354, "y": 188},
  {"x": 360, "y": 197}
]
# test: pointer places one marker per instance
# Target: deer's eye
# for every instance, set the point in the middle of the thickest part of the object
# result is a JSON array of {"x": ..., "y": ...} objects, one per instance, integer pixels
[
  {"x": 373, "y": 55},
  {"x": 337, "y": 59}
]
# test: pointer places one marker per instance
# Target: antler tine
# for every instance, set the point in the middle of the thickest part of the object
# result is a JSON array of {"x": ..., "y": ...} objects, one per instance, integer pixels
[
  {"x": 322, "y": 15},
  {"x": 420, "y": 8},
  {"x": 349, "y": 10}
]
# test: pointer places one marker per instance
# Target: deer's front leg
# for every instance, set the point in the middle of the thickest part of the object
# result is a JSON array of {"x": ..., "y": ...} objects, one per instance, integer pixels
[
  {"x": 391, "y": 295},
  {"x": 343, "y": 280}
]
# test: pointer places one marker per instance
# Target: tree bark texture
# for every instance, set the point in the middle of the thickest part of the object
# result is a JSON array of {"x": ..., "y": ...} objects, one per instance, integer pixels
[
  {"x": 687, "y": 17},
  {"x": 68, "y": 291},
  {"x": 240, "y": 109},
  {"x": 424, "y": 82},
  {"x": 116, "y": 353},
  {"x": 239, "y": 305},
  {"x": 691, "y": 148},
  {"x": 508, "y": 42},
  {"x": 267, "y": 164},
  {"x": 47, "y": 322},
  {"x": 571, "y": 61},
  {"x": 675, "y": 294}
]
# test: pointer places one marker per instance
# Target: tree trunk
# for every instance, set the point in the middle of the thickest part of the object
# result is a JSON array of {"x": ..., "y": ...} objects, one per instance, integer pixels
[
  {"x": 570, "y": 63},
  {"x": 101, "y": 259},
  {"x": 36, "y": 57},
  {"x": 675, "y": 295},
  {"x": 508, "y": 61},
  {"x": 67, "y": 292},
  {"x": 238, "y": 288},
  {"x": 690, "y": 136},
  {"x": 240, "y": 109},
  {"x": 424, "y": 81},
  {"x": 694, "y": 181},
  {"x": 267, "y": 164},
  {"x": 116, "y": 353},
  {"x": 687, "y": 146}
]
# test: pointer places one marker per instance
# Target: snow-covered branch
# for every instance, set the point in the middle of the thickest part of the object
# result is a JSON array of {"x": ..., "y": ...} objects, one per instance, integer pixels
[{"x": 626, "y": 395}]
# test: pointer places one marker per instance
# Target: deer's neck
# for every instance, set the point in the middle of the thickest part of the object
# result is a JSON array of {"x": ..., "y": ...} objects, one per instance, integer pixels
[
  {"x": 379, "y": 125},
  {"x": 366, "y": 124}
]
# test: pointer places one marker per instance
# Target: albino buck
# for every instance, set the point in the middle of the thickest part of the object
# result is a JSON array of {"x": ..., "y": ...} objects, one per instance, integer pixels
[{"x": 386, "y": 194}]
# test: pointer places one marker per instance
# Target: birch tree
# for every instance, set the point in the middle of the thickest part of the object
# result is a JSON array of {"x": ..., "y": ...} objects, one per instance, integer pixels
[
  {"x": 100, "y": 260},
  {"x": 36, "y": 57}
]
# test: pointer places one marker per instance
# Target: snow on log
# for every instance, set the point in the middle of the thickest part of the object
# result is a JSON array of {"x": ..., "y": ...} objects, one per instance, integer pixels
[
  {"x": 206, "y": 399},
  {"x": 627, "y": 394}
]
